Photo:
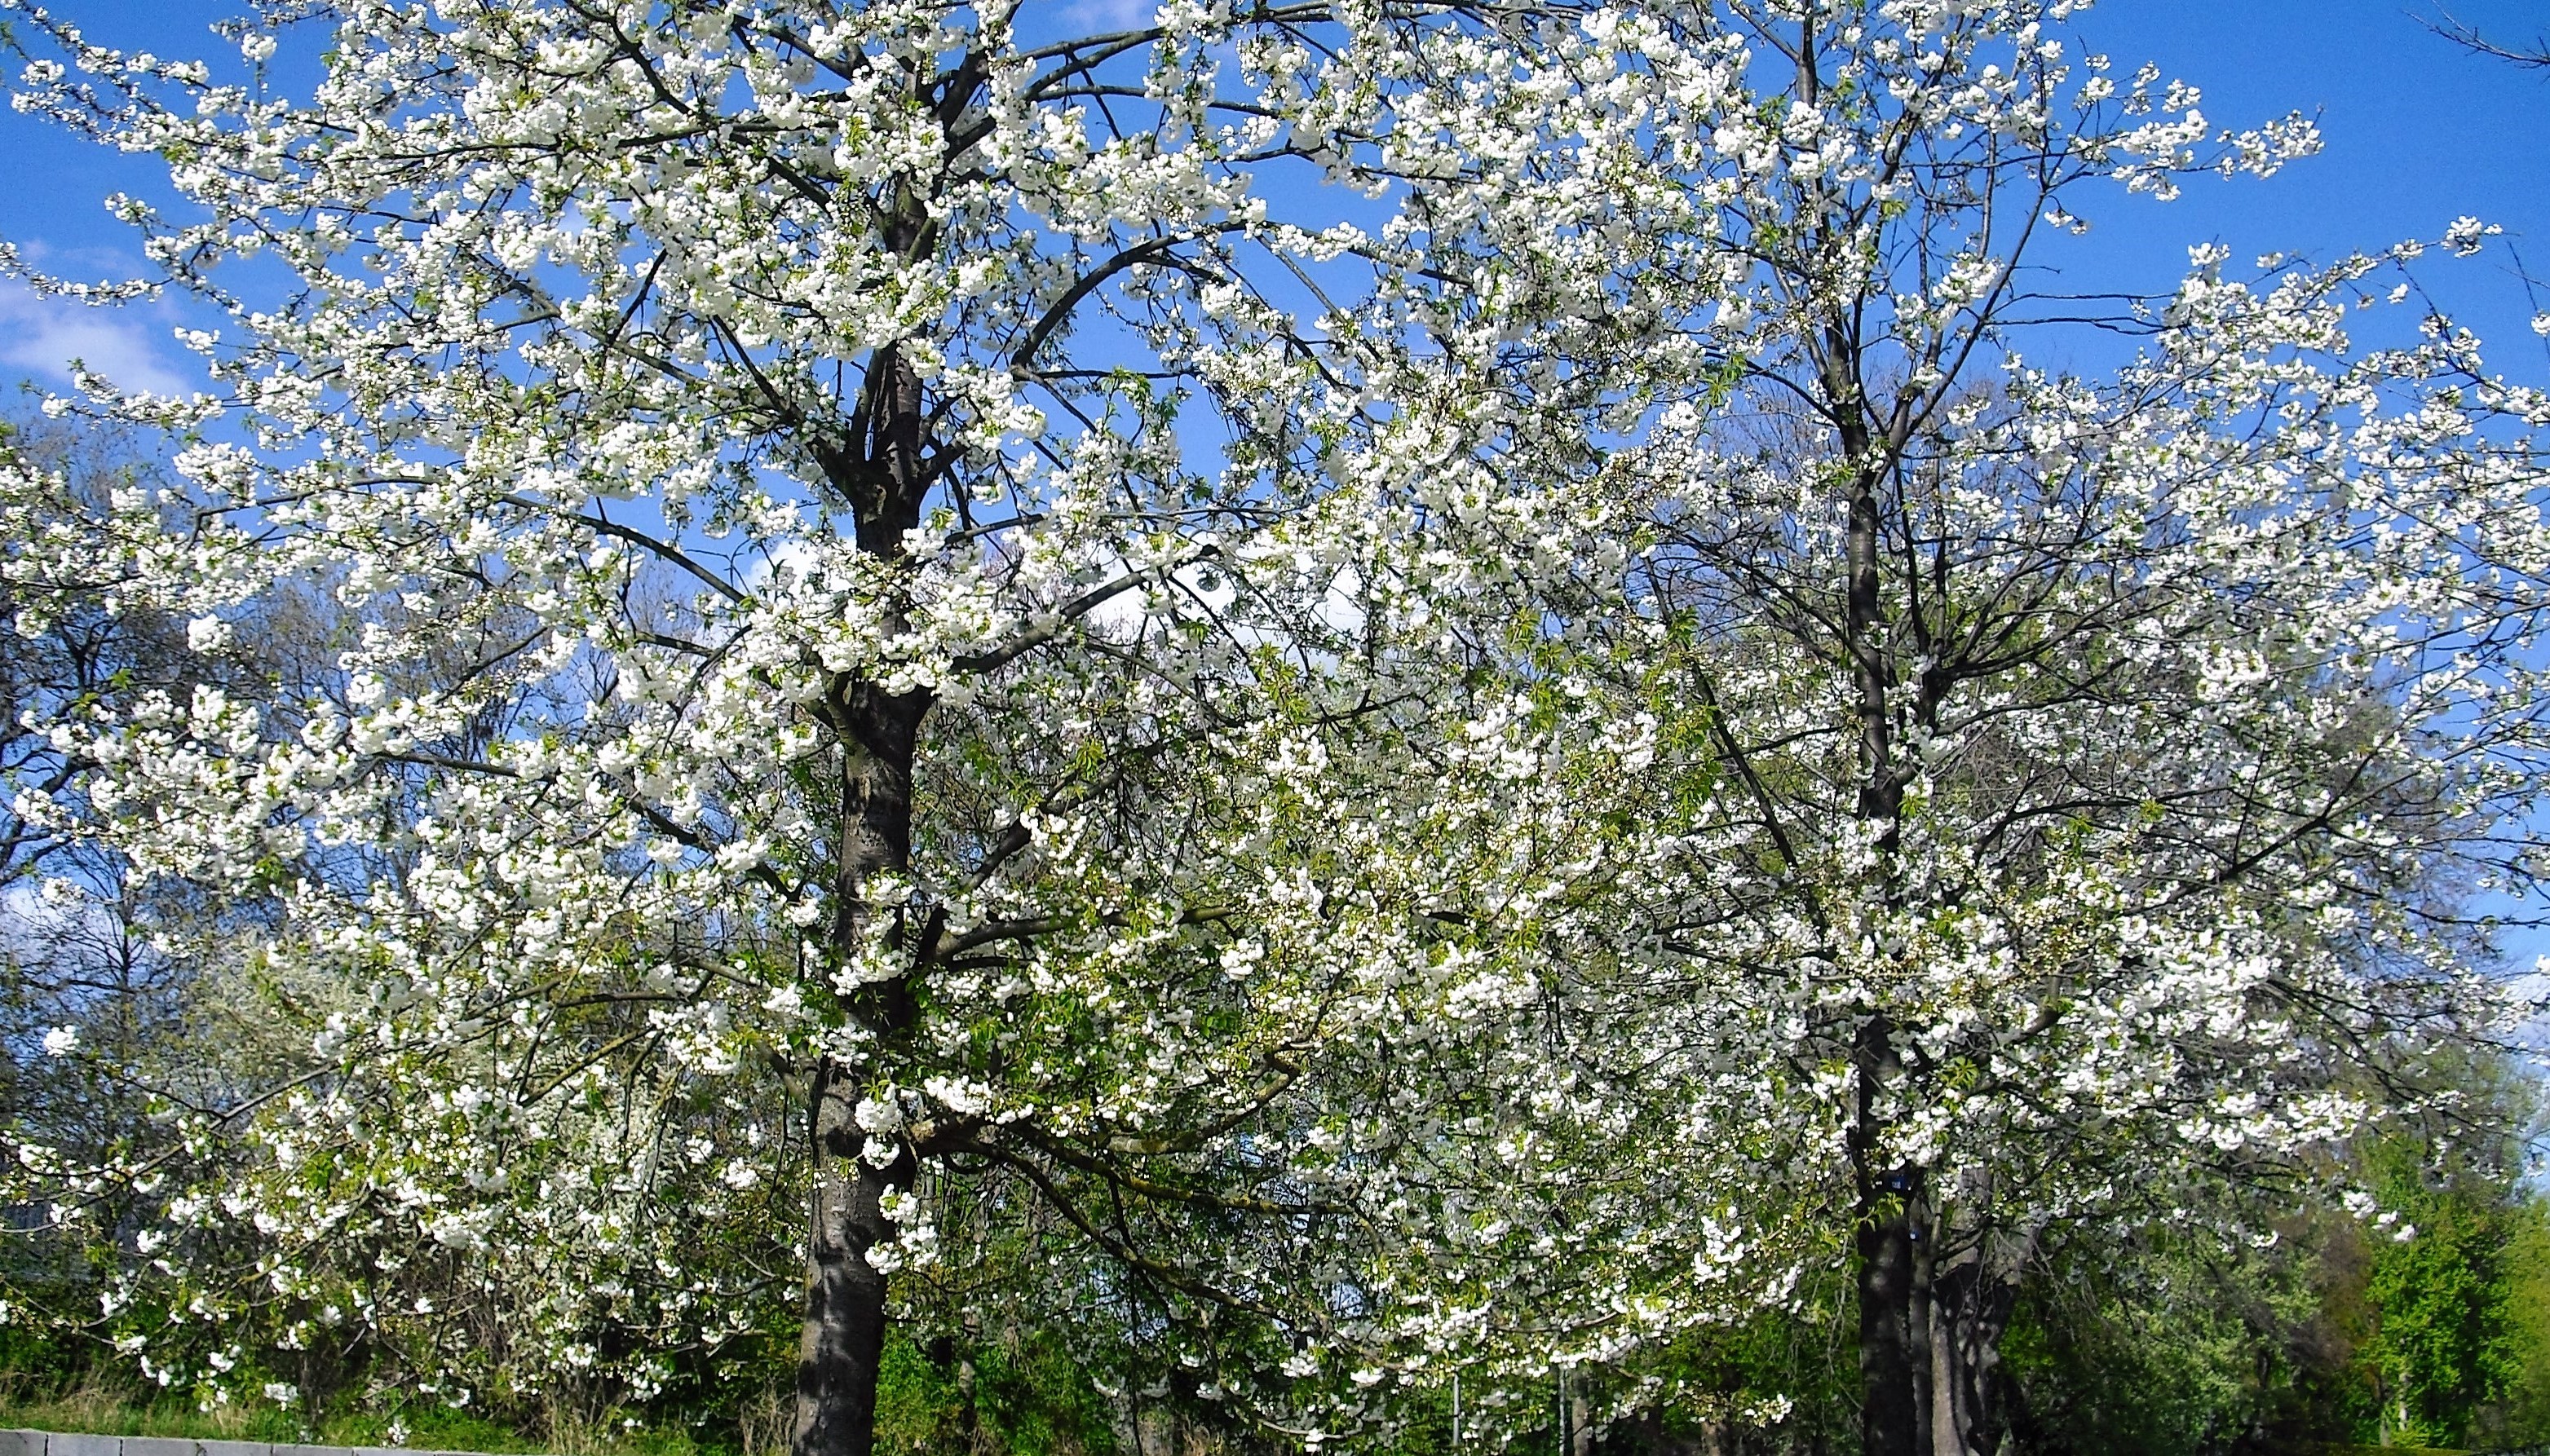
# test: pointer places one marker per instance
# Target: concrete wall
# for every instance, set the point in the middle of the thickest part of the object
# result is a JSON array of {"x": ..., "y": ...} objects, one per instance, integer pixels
[{"x": 57, "y": 1443}]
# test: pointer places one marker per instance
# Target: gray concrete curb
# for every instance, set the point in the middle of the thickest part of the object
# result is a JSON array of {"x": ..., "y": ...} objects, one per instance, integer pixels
[{"x": 63, "y": 1444}]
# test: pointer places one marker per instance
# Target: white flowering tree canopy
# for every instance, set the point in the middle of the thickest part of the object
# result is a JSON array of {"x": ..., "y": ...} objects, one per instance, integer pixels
[
  {"x": 926, "y": 609},
  {"x": 2082, "y": 796},
  {"x": 1351, "y": 689}
]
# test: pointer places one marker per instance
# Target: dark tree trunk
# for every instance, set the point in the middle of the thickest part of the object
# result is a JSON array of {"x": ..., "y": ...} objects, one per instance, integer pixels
[
  {"x": 1893, "y": 1321},
  {"x": 1890, "y": 1362},
  {"x": 842, "y": 1342}
]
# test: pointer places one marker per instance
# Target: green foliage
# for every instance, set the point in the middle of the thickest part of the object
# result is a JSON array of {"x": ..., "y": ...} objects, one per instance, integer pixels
[
  {"x": 2523, "y": 1418},
  {"x": 1805, "y": 1359},
  {"x": 2442, "y": 1357},
  {"x": 436, "y": 1428},
  {"x": 1020, "y": 1395},
  {"x": 2444, "y": 1333},
  {"x": 113, "y": 1410},
  {"x": 2176, "y": 1344},
  {"x": 2342, "y": 1334},
  {"x": 45, "y": 1390}
]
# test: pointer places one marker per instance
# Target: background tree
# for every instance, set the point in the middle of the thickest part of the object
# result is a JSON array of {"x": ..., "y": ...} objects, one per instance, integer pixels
[
  {"x": 2080, "y": 775},
  {"x": 92, "y": 994}
]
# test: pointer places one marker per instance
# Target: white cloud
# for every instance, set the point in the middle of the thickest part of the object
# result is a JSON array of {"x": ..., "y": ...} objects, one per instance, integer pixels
[
  {"x": 1113, "y": 15},
  {"x": 1207, "y": 586},
  {"x": 797, "y": 555},
  {"x": 42, "y": 335}
]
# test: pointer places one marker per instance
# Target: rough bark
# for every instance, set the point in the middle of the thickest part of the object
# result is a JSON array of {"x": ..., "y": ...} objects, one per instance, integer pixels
[
  {"x": 1971, "y": 1300},
  {"x": 843, "y": 1340},
  {"x": 1893, "y": 1323},
  {"x": 842, "y": 1343},
  {"x": 1890, "y": 1407}
]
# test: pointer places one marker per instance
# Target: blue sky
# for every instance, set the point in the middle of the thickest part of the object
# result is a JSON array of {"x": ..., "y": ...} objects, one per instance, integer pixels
[{"x": 2417, "y": 131}]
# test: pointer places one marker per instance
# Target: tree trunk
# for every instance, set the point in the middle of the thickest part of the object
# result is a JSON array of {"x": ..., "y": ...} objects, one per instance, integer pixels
[
  {"x": 843, "y": 1338},
  {"x": 842, "y": 1343},
  {"x": 878, "y": 735},
  {"x": 1971, "y": 1301},
  {"x": 1889, "y": 1363},
  {"x": 1894, "y": 1319}
]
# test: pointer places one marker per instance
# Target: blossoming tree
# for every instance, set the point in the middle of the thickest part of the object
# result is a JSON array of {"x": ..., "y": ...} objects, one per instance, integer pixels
[
  {"x": 898, "y": 621},
  {"x": 2083, "y": 772}
]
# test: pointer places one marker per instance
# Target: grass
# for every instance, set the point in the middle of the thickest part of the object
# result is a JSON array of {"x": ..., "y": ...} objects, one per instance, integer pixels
[{"x": 106, "y": 1409}]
